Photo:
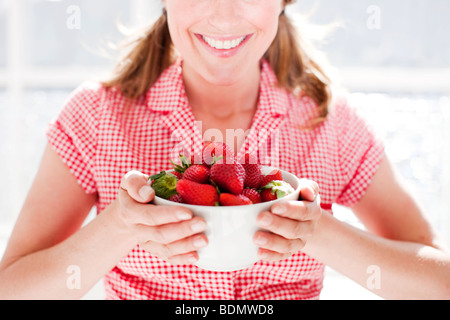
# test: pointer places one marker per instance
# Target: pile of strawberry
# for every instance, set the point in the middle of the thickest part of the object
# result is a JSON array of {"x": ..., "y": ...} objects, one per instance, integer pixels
[{"x": 219, "y": 179}]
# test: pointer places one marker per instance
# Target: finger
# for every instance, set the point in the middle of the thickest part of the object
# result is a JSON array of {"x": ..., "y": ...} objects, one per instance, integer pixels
[
  {"x": 271, "y": 256},
  {"x": 137, "y": 186},
  {"x": 285, "y": 227},
  {"x": 168, "y": 233},
  {"x": 276, "y": 243},
  {"x": 176, "y": 249},
  {"x": 297, "y": 210},
  {"x": 181, "y": 259},
  {"x": 309, "y": 190},
  {"x": 149, "y": 214},
  {"x": 184, "y": 259}
]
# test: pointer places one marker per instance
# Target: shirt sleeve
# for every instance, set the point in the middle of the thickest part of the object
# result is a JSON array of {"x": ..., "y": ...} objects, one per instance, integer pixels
[
  {"x": 74, "y": 133},
  {"x": 360, "y": 153}
]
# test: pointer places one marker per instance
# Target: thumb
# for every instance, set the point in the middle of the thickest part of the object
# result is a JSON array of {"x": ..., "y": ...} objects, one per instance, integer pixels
[
  {"x": 137, "y": 186},
  {"x": 309, "y": 190}
]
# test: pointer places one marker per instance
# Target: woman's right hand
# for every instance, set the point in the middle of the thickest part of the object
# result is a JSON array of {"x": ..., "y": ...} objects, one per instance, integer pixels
[{"x": 171, "y": 233}]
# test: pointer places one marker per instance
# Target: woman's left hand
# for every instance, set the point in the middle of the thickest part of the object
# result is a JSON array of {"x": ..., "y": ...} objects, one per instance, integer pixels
[{"x": 289, "y": 225}]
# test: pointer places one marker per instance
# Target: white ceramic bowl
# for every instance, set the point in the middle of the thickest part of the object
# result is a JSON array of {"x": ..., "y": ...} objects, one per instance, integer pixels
[{"x": 230, "y": 230}]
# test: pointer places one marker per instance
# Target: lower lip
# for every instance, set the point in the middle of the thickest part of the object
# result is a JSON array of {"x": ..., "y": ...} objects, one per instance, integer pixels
[{"x": 224, "y": 53}]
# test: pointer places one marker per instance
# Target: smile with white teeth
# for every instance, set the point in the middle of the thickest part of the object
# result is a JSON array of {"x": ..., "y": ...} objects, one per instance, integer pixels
[{"x": 221, "y": 45}]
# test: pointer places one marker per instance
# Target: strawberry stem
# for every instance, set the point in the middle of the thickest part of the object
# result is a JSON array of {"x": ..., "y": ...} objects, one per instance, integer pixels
[{"x": 185, "y": 163}]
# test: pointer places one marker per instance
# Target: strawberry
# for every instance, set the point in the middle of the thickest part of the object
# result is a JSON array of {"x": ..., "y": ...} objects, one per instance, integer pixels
[
  {"x": 177, "y": 174},
  {"x": 213, "y": 151},
  {"x": 228, "y": 177},
  {"x": 198, "y": 194},
  {"x": 253, "y": 175},
  {"x": 215, "y": 177},
  {"x": 267, "y": 195},
  {"x": 228, "y": 199},
  {"x": 252, "y": 194},
  {"x": 272, "y": 176},
  {"x": 164, "y": 184},
  {"x": 197, "y": 172},
  {"x": 177, "y": 198},
  {"x": 275, "y": 190}
]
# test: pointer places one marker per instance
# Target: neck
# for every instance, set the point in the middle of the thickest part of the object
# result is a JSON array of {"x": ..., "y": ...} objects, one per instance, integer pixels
[{"x": 221, "y": 101}]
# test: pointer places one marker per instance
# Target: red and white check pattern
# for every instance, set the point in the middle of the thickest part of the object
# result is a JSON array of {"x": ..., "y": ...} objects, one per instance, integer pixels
[{"x": 101, "y": 136}]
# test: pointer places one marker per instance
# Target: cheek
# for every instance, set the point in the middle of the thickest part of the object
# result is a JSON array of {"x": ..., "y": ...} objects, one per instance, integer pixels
[
  {"x": 268, "y": 26},
  {"x": 180, "y": 36},
  {"x": 264, "y": 19},
  {"x": 180, "y": 18},
  {"x": 175, "y": 25}
]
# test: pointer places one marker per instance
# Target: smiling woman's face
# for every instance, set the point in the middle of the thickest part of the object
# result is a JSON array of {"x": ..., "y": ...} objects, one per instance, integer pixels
[{"x": 222, "y": 40}]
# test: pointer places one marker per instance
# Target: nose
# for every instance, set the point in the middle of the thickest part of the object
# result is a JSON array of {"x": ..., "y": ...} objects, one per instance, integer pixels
[{"x": 224, "y": 14}]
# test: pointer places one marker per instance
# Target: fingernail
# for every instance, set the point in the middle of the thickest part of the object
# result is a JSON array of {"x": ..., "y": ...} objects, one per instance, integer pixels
[
  {"x": 199, "y": 226},
  {"x": 261, "y": 240},
  {"x": 279, "y": 209},
  {"x": 200, "y": 242},
  {"x": 145, "y": 192},
  {"x": 192, "y": 259},
  {"x": 266, "y": 220},
  {"x": 182, "y": 215}
]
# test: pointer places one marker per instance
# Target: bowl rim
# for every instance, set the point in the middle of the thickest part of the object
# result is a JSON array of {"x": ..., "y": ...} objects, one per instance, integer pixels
[{"x": 262, "y": 204}]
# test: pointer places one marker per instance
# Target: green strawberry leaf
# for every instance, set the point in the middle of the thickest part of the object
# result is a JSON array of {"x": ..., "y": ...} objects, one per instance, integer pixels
[
  {"x": 215, "y": 159},
  {"x": 185, "y": 163},
  {"x": 157, "y": 176},
  {"x": 165, "y": 185}
]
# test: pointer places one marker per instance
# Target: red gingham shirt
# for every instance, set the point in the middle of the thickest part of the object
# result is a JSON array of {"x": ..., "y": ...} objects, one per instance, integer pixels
[{"x": 101, "y": 136}]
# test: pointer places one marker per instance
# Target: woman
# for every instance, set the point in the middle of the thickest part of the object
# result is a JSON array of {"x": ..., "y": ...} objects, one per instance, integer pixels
[{"x": 237, "y": 66}]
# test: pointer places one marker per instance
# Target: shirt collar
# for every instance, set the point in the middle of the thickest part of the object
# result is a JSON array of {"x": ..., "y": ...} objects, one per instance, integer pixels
[
  {"x": 273, "y": 98},
  {"x": 168, "y": 93}
]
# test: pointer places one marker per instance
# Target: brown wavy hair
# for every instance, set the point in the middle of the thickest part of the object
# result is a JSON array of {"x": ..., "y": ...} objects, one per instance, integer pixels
[{"x": 289, "y": 56}]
